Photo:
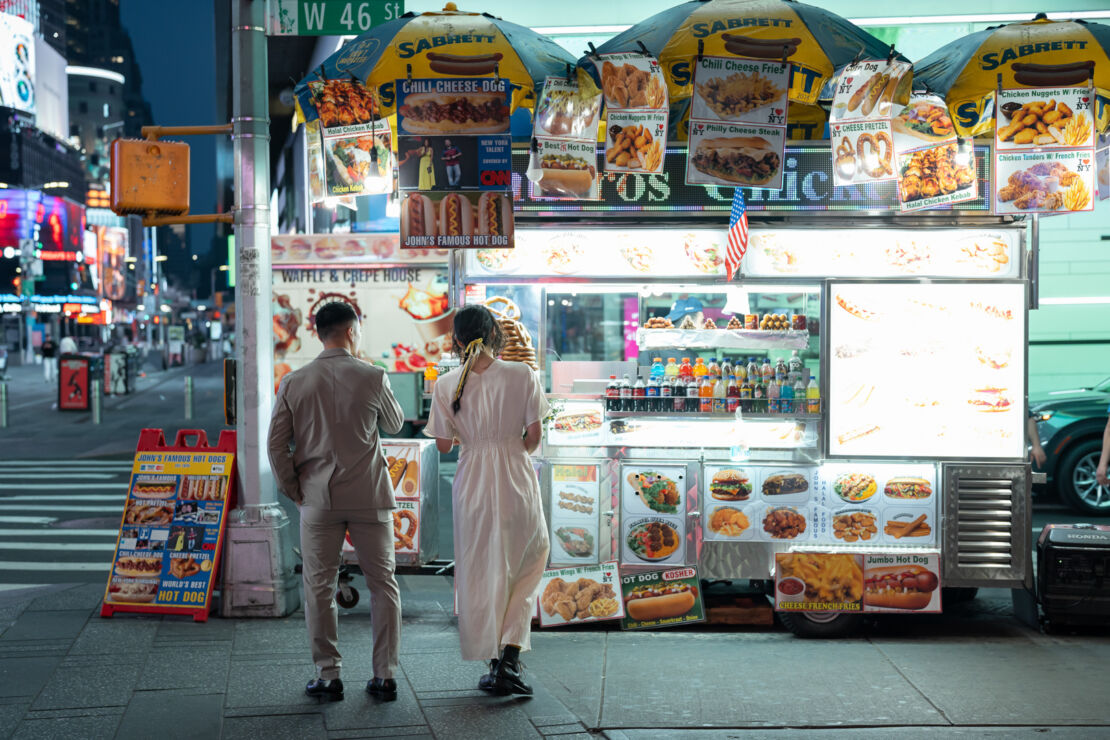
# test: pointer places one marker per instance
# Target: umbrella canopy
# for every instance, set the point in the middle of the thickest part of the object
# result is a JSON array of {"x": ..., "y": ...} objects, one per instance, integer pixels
[
  {"x": 825, "y": 43},
  {"x": 966, "y": 71},
  {"x": 458, "y": 43}
]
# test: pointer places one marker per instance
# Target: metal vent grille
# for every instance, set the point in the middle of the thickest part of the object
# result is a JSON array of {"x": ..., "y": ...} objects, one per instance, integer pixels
[{"x": 986, "y": 525}]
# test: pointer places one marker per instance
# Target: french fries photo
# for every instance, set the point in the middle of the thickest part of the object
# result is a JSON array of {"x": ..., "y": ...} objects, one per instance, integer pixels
[
  {"x": 1044, "y": 123},
  {"x": 829, "y": 578},
  {"x": 634, "y": 148}
]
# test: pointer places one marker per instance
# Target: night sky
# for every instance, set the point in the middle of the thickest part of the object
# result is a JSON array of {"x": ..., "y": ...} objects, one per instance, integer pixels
[{"x": 175, "y": 48}]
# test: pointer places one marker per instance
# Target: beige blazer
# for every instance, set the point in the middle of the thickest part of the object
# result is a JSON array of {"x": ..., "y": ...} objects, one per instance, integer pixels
[{"x": 324, "y": 446}]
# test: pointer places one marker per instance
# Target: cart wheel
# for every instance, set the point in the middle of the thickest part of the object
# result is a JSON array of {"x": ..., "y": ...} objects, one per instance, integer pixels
[
  {"x": 826, "y": 625},
  {"x": 346, "y": 596}
]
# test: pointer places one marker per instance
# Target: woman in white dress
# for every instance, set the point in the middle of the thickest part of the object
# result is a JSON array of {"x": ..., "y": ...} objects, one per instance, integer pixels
[{"x": 493, "y": 410}]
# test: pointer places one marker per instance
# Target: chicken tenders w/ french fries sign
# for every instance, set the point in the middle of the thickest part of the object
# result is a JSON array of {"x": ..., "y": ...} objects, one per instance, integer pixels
[
  {"x": 172, "y": 529},
  {"x": 847, "y": 582}
]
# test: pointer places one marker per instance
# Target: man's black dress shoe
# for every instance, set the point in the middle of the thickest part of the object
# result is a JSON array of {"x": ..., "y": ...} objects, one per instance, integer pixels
[
  {"x": 383, "y": 688},
  {"x": 509, "y": 678},
  {"x": 488, "y": 682},
  {"x": 322, "y": 688}
]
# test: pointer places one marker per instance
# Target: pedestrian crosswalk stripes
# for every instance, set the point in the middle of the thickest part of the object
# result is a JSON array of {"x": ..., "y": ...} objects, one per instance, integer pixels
[{"x": 59, "y": 519}]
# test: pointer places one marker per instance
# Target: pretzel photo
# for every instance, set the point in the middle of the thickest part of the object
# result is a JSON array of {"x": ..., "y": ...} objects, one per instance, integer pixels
[
  {"x": 502, "y": 307},
  {"x": 876, "y": 150},
  {"x": 404, "y": 533}
]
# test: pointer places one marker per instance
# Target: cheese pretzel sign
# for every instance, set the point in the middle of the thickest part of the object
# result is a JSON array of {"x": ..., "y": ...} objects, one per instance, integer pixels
[
  {"x": 875, "y": 153},
  {"x": 404, "y": 529}
]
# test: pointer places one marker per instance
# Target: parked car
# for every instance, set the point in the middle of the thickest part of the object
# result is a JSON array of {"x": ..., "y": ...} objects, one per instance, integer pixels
[{"x": 1071, "y": 423}]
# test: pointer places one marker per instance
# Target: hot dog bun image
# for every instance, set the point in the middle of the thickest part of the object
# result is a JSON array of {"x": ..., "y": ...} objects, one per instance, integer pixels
[
  {"x": 747, "y": 160},
  {"x": 133, "y": 592},
  {"x": 899, "y": 587},
  {"x": 455, "y": 113},
  {"x": 660, "y": 601},
  {"x": 139, "y": 567},
  {"x": 908, "y": 487},
  {"x": 495, "y": 215},
  {"x": 418, "y": 216},
  {"x": 456, "y": 216},
  {"x": 567, "y": 175}
]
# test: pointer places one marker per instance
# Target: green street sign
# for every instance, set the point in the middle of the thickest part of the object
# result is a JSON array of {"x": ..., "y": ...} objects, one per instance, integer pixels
[{"x": 329, "y": 17}]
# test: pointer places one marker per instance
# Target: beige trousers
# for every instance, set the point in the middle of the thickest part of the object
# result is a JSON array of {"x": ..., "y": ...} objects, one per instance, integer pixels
[{"x": 371, "y": 533}]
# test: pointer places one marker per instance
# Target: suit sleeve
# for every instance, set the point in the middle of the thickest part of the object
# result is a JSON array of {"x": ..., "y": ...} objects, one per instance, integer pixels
[
  {"x": 279, "y": 446},
  {"x": 390, "y": 416}
]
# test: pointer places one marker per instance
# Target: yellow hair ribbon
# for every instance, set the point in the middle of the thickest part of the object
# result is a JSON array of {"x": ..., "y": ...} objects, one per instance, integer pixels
[{"x": 472, "y": 351}]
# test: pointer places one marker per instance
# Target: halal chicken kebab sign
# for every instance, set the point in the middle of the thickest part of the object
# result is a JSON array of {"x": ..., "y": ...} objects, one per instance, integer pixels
[{"x": 454, "y": 162}]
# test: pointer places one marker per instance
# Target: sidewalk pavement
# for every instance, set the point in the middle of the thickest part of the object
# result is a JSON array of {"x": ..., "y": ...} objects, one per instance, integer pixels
[{"x": 973, "y": 672}]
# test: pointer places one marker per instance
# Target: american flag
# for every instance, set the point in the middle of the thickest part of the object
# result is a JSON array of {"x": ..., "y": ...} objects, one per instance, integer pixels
[{"x": 737, "y": 233}]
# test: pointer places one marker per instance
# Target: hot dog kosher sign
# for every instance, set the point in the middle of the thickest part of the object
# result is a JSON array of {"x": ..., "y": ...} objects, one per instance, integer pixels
[{"x": 661, "y": 598}]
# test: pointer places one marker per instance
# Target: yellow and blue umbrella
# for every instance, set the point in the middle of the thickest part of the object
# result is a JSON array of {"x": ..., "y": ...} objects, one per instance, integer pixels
[
  {"x": 818, "y": 45},
  {"x": 446, "y": 43},
  {"x": 966, "y": 71}
]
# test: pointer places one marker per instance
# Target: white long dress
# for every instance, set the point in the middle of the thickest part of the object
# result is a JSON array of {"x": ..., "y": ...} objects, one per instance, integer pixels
[{"x": 501, "y": 542}]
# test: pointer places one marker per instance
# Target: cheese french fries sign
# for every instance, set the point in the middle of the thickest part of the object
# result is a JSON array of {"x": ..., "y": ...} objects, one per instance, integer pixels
[
  {"x": 171, "y": 530},
  {"x": 661, "y": 598},
  {"x": 818, "y": 581}
]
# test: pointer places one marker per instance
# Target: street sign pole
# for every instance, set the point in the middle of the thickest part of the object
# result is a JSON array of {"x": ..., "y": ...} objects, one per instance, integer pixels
[{"x": 259, "y": 580}]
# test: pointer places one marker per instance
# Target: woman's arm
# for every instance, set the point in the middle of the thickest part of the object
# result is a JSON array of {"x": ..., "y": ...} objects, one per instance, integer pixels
[
  {"x": 444, "y": 445},
  {"x": 532, "y": 436}
]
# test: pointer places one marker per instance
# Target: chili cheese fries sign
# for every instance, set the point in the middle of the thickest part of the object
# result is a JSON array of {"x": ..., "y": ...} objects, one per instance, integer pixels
[{"x": 171, "y": 532}]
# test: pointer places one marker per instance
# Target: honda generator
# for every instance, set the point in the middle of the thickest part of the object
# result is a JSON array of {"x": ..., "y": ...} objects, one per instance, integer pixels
[{"x": 1073, "y": 574}]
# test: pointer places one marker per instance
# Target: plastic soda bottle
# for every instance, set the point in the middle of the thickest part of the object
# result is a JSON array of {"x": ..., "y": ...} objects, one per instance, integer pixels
[
  {"x": 685, "y": 371},
  {"x": 780, "y": 370},
  {"x": 767, "y": 371},
  {"x": 430, "y": 376},
  {"x": 651, "y": 394},
  {"x": 732, "y": 393},
  {"x": 626, "y": 395},
  {"x": 726, "y": 368},
  {"x": 692, "y": 389},
  {"x": 813, "y": 397},
  {"x": 786, "y": 398},
  {"x": 720, "y": 397},
  {"x": 795, "y": 366},
  {"x": 700, "y": 370},
  {"x": 657, "y": 370},
  {"x": 773, "y": 404},
  {"x": 746, "y": 391},
  {"x": 759, "y": 397},
  {"x": 799, "y": 396},
  {"x": 639, "y": 395},
  {"x": 613, "y": 394},
  {"x": 705, "y": 395},
  {"x": 714, "y": 368},
  {"x": 753, "y": 370},
  {"x": 678, "y": 396},
  {"x": 671, "y": 370}
]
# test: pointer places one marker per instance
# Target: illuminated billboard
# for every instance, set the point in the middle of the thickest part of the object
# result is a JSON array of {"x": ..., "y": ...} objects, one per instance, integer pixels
[
  {"x": 17, "y": 63},
  {"x": 55, "y": 224}
]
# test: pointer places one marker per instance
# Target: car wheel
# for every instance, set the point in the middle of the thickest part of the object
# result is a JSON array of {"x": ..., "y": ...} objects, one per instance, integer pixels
[
  {"x": 824, "y": 625},
  {"x": 1076, "y": 480}
]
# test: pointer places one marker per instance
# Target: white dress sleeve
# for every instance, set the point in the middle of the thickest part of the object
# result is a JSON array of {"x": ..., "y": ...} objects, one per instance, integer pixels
[
  {"x": 537, "y": 406},
  {"x": 441, "y": 419}
]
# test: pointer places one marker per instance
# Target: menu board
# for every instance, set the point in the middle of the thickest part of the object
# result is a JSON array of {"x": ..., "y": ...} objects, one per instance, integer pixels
[
  {"x": 737, "y": 127},
  {"x": 846, "y": 582},
  {"x": 578, "y": 423},
  {"x": 666, "y": 431},
  {"x": 878, "y": 253},
  {"x": 1045, "y": 182},
  {"x": 927, "y": 370},
  {"x": 876, "y": 504},
  {"x": 453, "y": 136},
  {"x": 662, "y": 598},
  {"x": 759, "y": 503},
  {"x": 1030, "y": 118},
  {"x": 636, "y": 108},
  {"x": 653, "y": 514},
  {"x": 360, "y": 250},
  {"x": 579, "y": 595},
  {"x": 171, "y": 532},
  {"x": 575, "y": 513},
  {"x": 564, "y": 151},
  {"x": 595, "y": 253}
]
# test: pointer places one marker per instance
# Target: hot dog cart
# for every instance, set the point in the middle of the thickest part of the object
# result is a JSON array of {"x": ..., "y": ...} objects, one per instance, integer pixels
[{"x": 911, "y": 326}]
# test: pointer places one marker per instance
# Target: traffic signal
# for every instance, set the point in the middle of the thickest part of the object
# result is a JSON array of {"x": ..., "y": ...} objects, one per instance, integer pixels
[{"x": 150, "y": 176}]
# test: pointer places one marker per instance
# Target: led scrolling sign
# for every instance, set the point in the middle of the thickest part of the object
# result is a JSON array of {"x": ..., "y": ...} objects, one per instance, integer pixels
[{"x": 807, "y": 186}]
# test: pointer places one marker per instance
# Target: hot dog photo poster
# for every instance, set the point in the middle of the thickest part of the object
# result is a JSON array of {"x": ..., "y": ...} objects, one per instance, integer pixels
[
  {"x": 565, "y": 169},
  {"x": 661, "y": 598},
  {"x": 868, "y": 89},
  {"x": 171, "y": 530},
  {"x": 579, "y": 595},
  {"x": 894, "y": 582}
]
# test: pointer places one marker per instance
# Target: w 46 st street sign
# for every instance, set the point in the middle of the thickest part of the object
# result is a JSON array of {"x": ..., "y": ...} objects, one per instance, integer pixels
[{"x": 329, "y": 17}]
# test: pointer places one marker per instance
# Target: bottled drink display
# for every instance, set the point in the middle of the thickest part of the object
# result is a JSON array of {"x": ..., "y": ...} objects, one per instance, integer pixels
[
  {"x": 753, "y": 370},
  {"x": 613, "y": 395},
  {"x": 705, "y": 395},
  {"x": 626, "y": 395},
  {"x": 678, "y": 395},
  {"x": 671, "y": 370},
  {"x": 767, "y": 371},
  {"x": 726, "y": 368},
  {"x": 786, "y": 398},
  {"x": 692, "y": 401},
  {"x": 746, "y": 396},
  {"x": 714, "y": 368},
  {"x": 720, "y": 403},
  {"x": 431, "y": 374},
  {"x": 759, "y": 397},
  {"x": 773, "y": 399},
  {"x": 780, "y": 370},
  {"x": 795, "y": 366},
  {"x": 685, "y": 370},
  {"x": 639, "y": 395},
  {"x": 652, "y": 394},
  {"x": 700, "y": 370},
  {"x": 657, "y": 370},
  {"x": 813, "y": 397},
  {"x": 799, "y": 396},
  {"x": 732, "y": 394}
]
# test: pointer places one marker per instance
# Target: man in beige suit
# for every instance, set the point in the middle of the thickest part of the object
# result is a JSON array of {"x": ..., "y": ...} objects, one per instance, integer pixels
[{"x": 326, "y": 456}]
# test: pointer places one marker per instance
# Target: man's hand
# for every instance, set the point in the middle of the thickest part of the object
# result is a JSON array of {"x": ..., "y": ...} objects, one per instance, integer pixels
[
  {"x": 1100, "y": 476},
  {"x": 1038, "y": 455}
]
